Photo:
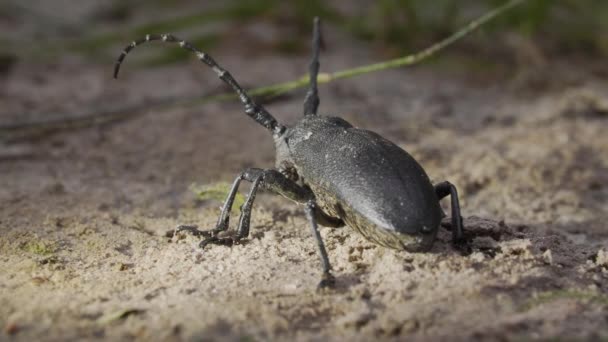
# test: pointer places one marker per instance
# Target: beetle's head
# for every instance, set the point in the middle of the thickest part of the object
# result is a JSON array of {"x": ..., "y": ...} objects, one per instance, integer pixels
[
  {"x": 280, "y": 143},
  {"x": 419, "y": 241},
  {"x": 425, "y": 238}
]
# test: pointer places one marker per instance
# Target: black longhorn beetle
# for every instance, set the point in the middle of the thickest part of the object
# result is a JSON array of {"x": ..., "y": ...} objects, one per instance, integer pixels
[{"x": 342, "y": 174}]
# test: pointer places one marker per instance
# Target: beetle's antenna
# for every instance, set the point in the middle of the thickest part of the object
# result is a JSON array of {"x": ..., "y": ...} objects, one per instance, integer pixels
[
  {"x": 311, "y": 102},
  {"x": 254, "y": 110}
]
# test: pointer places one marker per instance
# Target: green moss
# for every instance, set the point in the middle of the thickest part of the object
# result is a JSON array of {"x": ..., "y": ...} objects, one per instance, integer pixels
[{"x": 40, "y": 247}]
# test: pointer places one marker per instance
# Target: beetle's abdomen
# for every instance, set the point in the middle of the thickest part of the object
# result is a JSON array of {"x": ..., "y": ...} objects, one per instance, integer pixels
[
  {"x": 383, "y": 191},
  {"x": 380, "y": 235}
]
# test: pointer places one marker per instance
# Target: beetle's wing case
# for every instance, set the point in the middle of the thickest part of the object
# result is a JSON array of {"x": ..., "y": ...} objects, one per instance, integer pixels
[{"x": 371, "y": 178}]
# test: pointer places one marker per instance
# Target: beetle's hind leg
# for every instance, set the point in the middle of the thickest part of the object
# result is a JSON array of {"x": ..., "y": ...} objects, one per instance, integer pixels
[{"x": 442, "y": 190}]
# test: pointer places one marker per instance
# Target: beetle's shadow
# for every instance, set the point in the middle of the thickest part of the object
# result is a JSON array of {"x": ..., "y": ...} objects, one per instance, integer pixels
[{"x": 344, "y": 282}]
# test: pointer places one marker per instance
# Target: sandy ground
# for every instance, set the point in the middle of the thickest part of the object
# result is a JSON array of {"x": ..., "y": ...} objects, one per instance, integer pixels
[{"x": 85, "y": 215}]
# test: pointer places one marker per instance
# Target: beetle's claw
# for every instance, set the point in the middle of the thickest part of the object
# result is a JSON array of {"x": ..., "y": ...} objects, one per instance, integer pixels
[
  {"x": 327, "y": 281},
  {"x": 463, "y": 246}
]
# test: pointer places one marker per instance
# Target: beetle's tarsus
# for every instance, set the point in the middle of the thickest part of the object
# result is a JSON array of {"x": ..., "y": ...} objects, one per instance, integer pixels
[
  {"x": 224, "y": 241},
  {"x": 327, "y": 281},
  {"x": 211, "y": 236},
  {"x": 463, "y": 246},
  {"x": 193, "y": 230}
]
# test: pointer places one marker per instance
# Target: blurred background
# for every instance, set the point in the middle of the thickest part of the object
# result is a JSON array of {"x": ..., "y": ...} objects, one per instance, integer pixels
[
  {"x": 536, "y": 61},
  {"x": 95, "y": 30}
]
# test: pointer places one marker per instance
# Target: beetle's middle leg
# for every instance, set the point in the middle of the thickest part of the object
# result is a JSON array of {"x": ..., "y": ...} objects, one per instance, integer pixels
[{"x": 442, "y": 190}]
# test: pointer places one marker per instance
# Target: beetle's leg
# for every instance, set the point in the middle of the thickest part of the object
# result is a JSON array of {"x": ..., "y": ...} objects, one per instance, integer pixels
[
  {"x": 250, "y": 175},
  {"x": 311, "y": 102},
  {"x": 442, "y": 190},
  {"x": 271, "y": 180},
  {"x": 224, "y": 218},
  {"x": 327, "y": 280},
  {"x": 243, "y": 228}
]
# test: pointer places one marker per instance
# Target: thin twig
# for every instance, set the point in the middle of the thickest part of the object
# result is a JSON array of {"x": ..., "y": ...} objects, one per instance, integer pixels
[{"x": 278, "y": 89}]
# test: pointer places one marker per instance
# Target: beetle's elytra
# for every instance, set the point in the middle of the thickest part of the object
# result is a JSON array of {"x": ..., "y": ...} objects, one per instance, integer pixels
[{"x": 342, "y": 174}]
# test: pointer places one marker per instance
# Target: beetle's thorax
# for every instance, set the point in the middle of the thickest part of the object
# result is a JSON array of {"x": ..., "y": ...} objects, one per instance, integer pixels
[{"x": 290, "y": 137}]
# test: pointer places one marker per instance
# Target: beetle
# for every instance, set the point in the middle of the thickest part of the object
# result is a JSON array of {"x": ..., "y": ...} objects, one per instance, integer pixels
[{"x": 343, "y": 175}]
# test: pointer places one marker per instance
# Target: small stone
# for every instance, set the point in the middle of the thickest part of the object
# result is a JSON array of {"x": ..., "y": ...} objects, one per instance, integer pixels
[
  {"x": 477, "y": 257},
  {"x": 516, "y": 247},
  {"x": 484, "y": 242},
  {"x": 124, "y": 266},
  {"x": 548, "y": 257},
  {"x": 601, "y": 258},
  {"x": 39, "y": 280},
  {"x": 11, "y": 328}
]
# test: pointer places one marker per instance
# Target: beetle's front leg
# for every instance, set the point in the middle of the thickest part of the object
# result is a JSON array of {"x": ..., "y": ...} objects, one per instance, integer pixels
[
  {"x": 245, "y": 219},
  {"x": 224, "y": 218},
  {"x": 271, "y": 180}
]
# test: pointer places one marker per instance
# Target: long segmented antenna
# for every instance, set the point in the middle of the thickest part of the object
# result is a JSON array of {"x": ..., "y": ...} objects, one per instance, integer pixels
[
  {"x": 255, "y": 111},
  {"x": 311, "y": 102}
]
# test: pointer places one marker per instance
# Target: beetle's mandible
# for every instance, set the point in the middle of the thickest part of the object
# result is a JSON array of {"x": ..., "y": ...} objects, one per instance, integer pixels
[{"x": 342, "y": 175}]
